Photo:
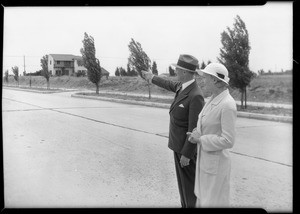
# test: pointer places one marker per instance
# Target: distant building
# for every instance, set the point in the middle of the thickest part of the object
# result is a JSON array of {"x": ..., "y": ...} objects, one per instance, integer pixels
[{"x": 67, "y": 64}]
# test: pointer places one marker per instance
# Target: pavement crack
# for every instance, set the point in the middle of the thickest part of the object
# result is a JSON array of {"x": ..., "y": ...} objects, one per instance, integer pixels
[
  {"x": 103, "y": 122},
  {"x": 43, "y": 108},
  {"x": 256, "y": 126},
  {"x": 23, "y": 102},
  {"x": 99, "y": 121},
  {"x": 23, "y": 110}
]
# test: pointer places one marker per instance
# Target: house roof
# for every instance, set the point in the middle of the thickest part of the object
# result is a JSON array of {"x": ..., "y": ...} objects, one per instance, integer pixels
[
  {"x": 63, "y": 57},
  {"x": 77, "y": 57},
  {"x": 104, "y": 71}
]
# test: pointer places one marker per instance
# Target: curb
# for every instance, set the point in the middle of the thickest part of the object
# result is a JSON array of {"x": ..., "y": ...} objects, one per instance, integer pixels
[
  {"x": 249, "y": 103},
  {"x": 150, "y": 104},
  {"x": 59, "y": 90},
  {"x": 270, "y": 117}
]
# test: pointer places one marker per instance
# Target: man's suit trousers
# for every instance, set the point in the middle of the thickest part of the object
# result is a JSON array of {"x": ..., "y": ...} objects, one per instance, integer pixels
[{"x": 186, "y": 181}]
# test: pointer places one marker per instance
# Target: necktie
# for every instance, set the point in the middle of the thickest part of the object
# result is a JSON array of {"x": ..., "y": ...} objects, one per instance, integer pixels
[{"x": 178, "y": 91}]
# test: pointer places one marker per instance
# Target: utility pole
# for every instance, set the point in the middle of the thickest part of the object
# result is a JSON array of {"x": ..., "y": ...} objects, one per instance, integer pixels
[
  {"x": 24, "y": 66},
  {"x": 25, "y": 73}
]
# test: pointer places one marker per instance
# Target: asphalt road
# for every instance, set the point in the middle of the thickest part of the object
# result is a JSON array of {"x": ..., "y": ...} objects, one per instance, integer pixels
[{"x": 61, "y": 151}]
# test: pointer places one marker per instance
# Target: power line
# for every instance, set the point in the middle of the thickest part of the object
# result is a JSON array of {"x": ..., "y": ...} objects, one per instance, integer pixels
[
  {"x": 23, "y": 66},
  {"x": 20, "y": 56}
]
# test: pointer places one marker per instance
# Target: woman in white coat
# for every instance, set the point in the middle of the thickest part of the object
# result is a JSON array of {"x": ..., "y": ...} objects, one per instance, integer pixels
[{"x": 214, "y": 135}]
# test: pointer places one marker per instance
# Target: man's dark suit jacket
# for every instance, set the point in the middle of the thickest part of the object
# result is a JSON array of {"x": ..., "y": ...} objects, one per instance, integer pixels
[{"x": 184, "y": 113}]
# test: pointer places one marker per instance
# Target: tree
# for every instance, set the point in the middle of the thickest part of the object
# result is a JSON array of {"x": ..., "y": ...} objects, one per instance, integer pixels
[
  {"x": 37, "y": 73},
  {"x": 122, "y": 72},
  {"x": 139, "y": 60},
  {"x": 90, "y": 61},
  {"x": 235, "y": 56},
  {"x": 203, "y": 65},
  {"x": 129, "y": 73},
  {"x": 6, "y": 76},
  {"x": 117, "y": 72},
  {"x": 133, "y": 73},
  {"x": 45, "y": 71},
  {"x": 171, "y": 72},
  {"x": 261, "y": 72},
  {"x": 154, "y": 68},
  {"x": 15, "y": 70}
]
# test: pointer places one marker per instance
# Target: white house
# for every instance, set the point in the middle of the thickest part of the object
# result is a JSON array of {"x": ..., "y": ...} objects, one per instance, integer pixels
[{"x": 67, "y": 64}]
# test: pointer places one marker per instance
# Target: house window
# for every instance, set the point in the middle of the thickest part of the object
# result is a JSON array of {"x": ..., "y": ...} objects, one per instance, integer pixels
[
  {"x": 67, "y": 63},
  {"x": 58, "y": 62},
  {"x": 50, "y": 62}
]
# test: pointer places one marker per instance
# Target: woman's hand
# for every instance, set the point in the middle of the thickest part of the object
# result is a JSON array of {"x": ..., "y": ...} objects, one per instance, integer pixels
[{"x": 194, "y": 137}]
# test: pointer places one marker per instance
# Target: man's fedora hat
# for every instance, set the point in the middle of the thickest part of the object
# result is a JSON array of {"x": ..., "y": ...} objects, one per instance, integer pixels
[
  {"x": 187, "y": 62},
  {"x": 216, "y": 69}
]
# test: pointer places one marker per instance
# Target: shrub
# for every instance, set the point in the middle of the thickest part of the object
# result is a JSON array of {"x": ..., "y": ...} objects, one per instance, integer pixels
[
  {"x": 271, "y": 91},
  {"x": 80, "y": 73}
]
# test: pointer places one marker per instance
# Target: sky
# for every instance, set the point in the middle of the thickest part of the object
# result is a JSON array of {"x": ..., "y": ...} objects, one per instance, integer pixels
[{"x": 164, "y": 33}]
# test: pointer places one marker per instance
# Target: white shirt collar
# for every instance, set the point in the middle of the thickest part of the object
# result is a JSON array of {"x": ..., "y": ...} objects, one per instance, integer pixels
[{"x": 186, "y": 84}]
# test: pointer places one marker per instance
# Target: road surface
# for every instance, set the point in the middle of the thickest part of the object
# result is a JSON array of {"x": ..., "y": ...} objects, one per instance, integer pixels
[{"x": 61, "y": 151}]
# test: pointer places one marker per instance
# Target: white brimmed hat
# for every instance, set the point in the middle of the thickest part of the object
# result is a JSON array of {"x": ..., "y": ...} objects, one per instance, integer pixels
[
  {"x": 216, "y": 69},
  {"x": 187, "y": 62}
]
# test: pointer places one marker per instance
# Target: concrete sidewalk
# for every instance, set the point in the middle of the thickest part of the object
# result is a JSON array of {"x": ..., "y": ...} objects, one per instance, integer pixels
[
  {"x": 240, "y": 114},
  {"x": 262, "y": 104}
]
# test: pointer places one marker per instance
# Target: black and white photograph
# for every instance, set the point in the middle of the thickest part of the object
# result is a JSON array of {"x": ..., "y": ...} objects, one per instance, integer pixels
[{"x": 148, "y": 106}]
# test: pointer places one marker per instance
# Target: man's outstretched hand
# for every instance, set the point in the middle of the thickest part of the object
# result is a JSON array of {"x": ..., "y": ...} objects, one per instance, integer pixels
[{"x": 147, "y": 75}]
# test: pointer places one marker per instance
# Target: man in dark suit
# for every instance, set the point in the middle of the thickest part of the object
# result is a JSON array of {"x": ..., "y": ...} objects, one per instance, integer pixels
[{"x": 184, "y": 111}]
